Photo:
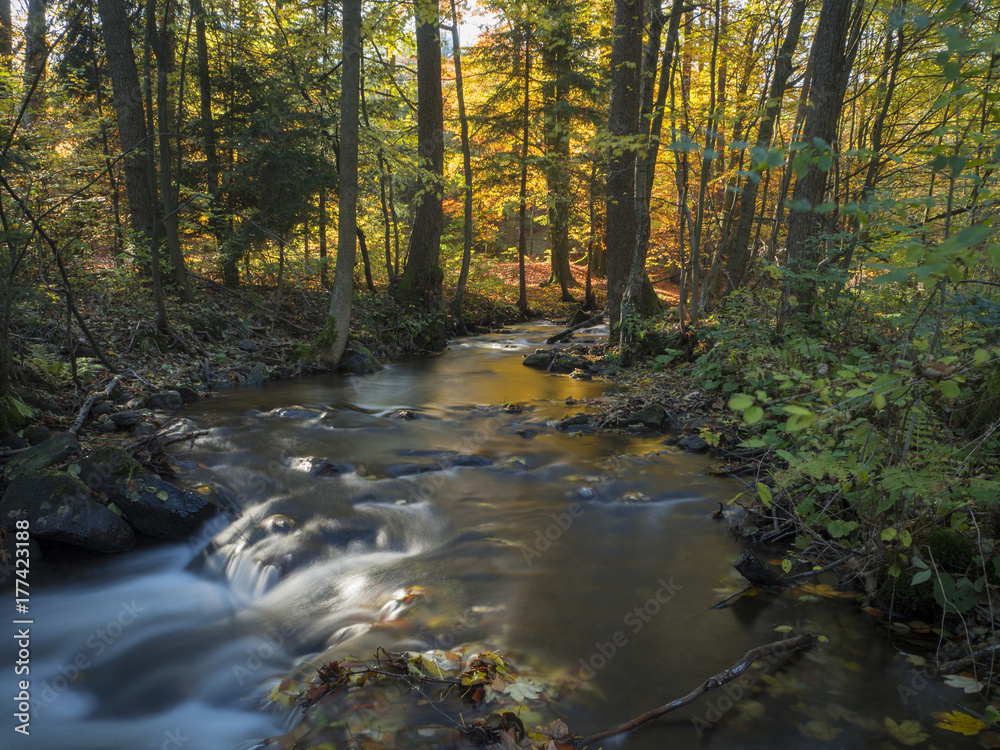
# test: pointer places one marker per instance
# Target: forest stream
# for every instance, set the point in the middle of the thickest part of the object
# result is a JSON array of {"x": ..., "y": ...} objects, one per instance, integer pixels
[{"x": 586, "y": 554}]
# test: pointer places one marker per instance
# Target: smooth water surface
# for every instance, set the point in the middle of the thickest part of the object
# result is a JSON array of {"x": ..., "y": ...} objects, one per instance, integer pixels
[{"x": 591, "y": 555}]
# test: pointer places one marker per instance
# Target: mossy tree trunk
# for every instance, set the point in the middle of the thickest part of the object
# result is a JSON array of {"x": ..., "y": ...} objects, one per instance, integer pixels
[{"x": 334, "y": 338}]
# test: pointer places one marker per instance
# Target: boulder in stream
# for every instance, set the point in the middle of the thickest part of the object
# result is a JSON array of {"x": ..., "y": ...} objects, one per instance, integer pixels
[
  {"x": 150, "y": 504},
  {"x": 60, "y": 508},
  {"x": 47, "y": 453}
]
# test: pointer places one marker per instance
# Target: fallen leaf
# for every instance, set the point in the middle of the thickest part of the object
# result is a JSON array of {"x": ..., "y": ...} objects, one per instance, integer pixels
[
  {"x": 908, "y": 733},
  {"x": 965, "y": 683},
  {"x": 960, "y": 723}
]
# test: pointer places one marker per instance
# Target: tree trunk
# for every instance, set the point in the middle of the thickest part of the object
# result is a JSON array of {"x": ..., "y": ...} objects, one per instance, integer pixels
[
  {"x": 324, "y": 261},
  {"x": 6, "y": 37},
  {"x": 826, "y": 101},
  {"x": 645, "y": 170},
  {"x": 205, "y": 108},
  {"x": 420, "y": 284},
  {"x": 522, "y": 297},
  {"x": 35, "y": 48},
  {"x": 739, "y": 251},
  {"x": 557, "y": 41},
  {"x": 163, "y": 44},
  {"x": 130, "y": 116},
  {"x": 463, "y": 276},
  {"x": 338, "y": 321},
  {"x": 623, "y": 122}
]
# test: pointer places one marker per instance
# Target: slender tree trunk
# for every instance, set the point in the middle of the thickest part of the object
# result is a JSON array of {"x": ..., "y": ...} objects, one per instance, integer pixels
[
  {"x": 623, "y": 122},
  {"x": 739, "y": 251},
  {"x": 463, "y": 276},
  {"x": 645, "y": 170},
  {"x": 365, "y": 260},
  {"x": 826, "y": 100},
  {"x": 324, "y": 261},
  {"x": 162, "y": 44},
  {"x": 208, "y": 134},
  {"x": 420, "y": 284},
  {"x": 35, "y": 49},
  {"x": 522, "y": 298},
  {"x": 6, "y": 37},
  {"x": 130, "y": 116},
  {"x": 338, "y": 321}
]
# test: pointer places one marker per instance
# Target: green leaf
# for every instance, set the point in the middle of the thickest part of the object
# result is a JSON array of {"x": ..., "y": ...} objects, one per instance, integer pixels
[
  {"x": 980, "y": 356},
  {"x": 753, "y": 415},
  {"x": 889, "y": 534},
  {"x": 740, "y": 401},
  {"x": 837, "y": 528},
  {"x": 765, "y": 494},
  {"x": 950, "y": 389},
  {"x": 920, "y": 577},
  {"x": 786, "y": 565},
  {"x": 522, "y": 691}
]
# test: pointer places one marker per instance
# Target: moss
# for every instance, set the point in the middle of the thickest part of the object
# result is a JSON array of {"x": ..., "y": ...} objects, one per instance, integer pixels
[
  {"x": 899, "y": 597},
  {"x": 951, "y": 551},
  {"x": 11, "y": 417}
]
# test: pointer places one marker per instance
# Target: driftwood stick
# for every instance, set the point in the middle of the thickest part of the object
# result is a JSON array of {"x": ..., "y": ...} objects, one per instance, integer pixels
[
  {"x": 778, "y": 648},
  {"x": 85, "y": 409},
  {"x": 967, "y": 661},
  {"x": 567, "y": 331}
]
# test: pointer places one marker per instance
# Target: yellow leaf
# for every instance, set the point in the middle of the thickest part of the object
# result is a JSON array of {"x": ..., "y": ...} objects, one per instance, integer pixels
[{"x": 960, "y": 723}]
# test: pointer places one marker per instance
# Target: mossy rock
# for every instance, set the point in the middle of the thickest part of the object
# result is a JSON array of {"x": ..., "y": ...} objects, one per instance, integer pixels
[
  {"x": 952, "y": 551},
  {"x": 900, "y": 598},
  {"x": 359, "y": 360},
  {"x": 43, "y": 455}
]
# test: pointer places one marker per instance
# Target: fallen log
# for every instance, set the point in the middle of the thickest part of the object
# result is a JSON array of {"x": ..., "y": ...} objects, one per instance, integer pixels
[
  {"x": 88, "y": 404},
  {"x": 567, "y": 331},
  {"x": 776, "y": 649}
]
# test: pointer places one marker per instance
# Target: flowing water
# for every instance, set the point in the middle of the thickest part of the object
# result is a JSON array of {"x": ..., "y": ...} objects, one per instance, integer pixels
[{"x": 585, "y": 554}]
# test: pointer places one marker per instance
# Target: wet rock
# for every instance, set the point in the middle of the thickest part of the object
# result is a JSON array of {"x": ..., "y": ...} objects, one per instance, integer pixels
[
  {"x": 320, "y": 466},
  {"x": 402, "y": 414},
  {"x": 62, "y": 509},
  {"x": 247, "y": 345},
  {"x": 138, "y": 402},
  {"x": 581, "y": 375},
  {"x": 566, "y": 364},
  {"x": 127, "y": 418},
  {"x": 106, "y": 426},
  {"x": 188, "y": 395},
  {"x": 527, "y": 433},
  {"x": 581, "y": 429},
  {"x": 258, "y": 374},
  {"x": 144, "y": 429},
  {"x": 294, "y": 412},
  {"x": 167, "y": 401},
  {"x": 406, "y": 470},
  {"x": 47, "y": 453},
  {"x": 693, "y": 444},
  {"x": 103, "y": 408},
  {"x": 151, "y": 505},
  {"x": 539, "y": 360},
  {"x": 359, "y": 360},
  {"x": 36, "y": 433},
  {"x": 670, "y": 441},
  {"x": 578, "y": 419},
  {"x": 470, "y": 461},
  {"x": 650, "y": 417}
]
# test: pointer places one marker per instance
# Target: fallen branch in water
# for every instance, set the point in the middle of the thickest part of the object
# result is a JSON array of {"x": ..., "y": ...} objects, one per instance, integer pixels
[
  {"x": 778, "y": 648},
  {"x": 567, "y": 331}
]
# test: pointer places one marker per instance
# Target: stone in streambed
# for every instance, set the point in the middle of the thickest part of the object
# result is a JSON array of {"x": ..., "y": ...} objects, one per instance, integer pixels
[
  {"x": 150, "y": 504},
  {"x": 60, "y": 508},
  {"x": 47, "y": 453}
]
